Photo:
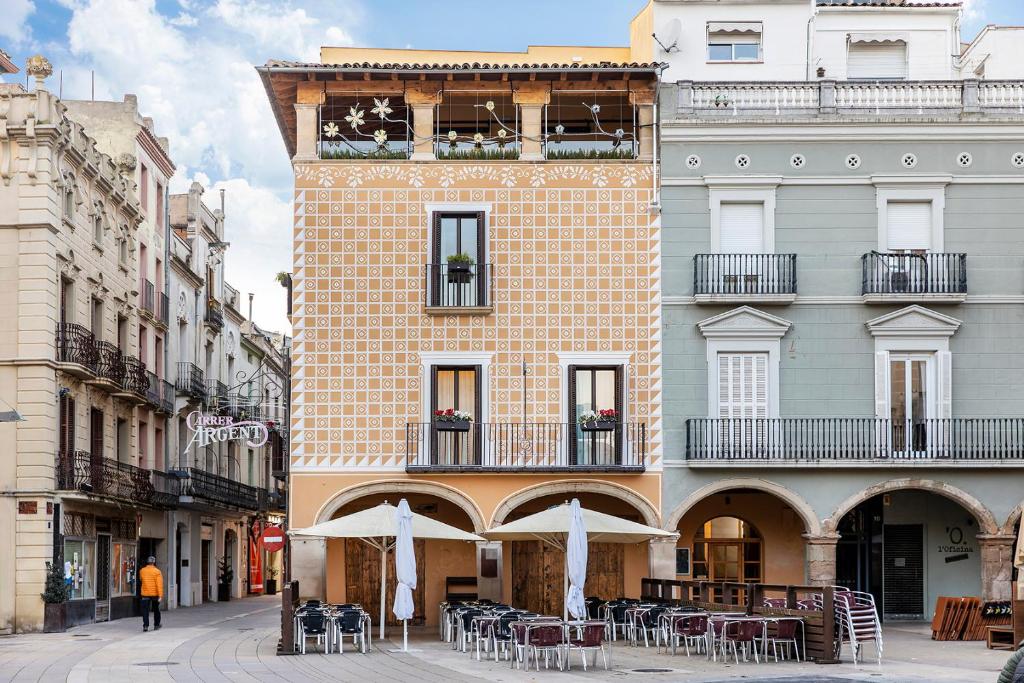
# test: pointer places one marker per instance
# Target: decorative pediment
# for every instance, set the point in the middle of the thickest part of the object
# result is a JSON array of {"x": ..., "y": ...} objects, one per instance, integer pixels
[
  {"x": 913, "y": 321},
  {"x": 745, "y": 322}
]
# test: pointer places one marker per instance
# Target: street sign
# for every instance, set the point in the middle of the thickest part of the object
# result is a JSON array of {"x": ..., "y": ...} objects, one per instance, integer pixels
[{"x": 273, "y": 539}]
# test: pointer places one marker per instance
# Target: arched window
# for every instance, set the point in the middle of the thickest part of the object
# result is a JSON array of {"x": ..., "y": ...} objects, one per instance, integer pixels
[{"x": 727, "y": 549}]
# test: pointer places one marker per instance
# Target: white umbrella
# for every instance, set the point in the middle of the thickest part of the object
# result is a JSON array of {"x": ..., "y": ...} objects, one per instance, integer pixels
[
  {"x": 576, "y": 562},
  {"x": 378, "y": 527},
  {"x": 552, "y": 526},
  {"x": 405, "y": 570}
]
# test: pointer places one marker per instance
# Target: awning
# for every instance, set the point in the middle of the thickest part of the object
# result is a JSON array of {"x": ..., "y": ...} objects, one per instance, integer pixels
[
  {"x": 734, "y": 27},
  {"x": 878, "y": 38}
]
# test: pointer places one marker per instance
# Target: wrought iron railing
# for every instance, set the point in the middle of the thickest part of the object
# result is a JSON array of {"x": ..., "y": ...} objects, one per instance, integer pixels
[
  {"x": 167, "y": 400},
  {"x": 148, "y": 297},
  {"x": 190, "y": 381},
  {"x": 213, "y": 488},
  {"x": 154, "y": 392},
  {"x": 526, "y": 446},
  {"x": 214, "y": 316},
  {"x": 136, "y": 378},
  {"x": 744, "y": 274},
  {"x": 76, "y": 344},
  {"x": 216, "y": 395},
  {"x": 110, "y": 363},
  {"x": 451, "y": 284},
  {"x": 854, "y": 438},
  {"x": 82, "y": 471},
  {"x": 926, "y": 273},
  {"x": 166, "y": 489},
  {"x": 163, "y": 308}
]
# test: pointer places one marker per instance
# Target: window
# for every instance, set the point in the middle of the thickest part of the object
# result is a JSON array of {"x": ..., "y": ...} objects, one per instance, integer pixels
[
  {"x": 159, "y": 209},
  {"x": 158, "y": 448},
  {"x": 877, "y": 60},
  {"x": 122, "y": 569},
  {"x": 741, "y": 228},
  {"x": 96, "y": 321},
  {"x": 593, "y": 389},
  {"x": 97, "y": 228},
  {"x": 66, "y": 424},
  {"x": 251, "y": 469},
  {"x": 738, "y": 213},
  {"x": 96, "y": 426},
  {"x": 911, "y": 398},
  {"x": 143, "y": 443},
  {"x": 909, "y": 226},
  {"x": 913, "y": 212},
  {"x": 458, "y": 274},
  {"x": 122, "y": 248},
  {"x": 67, "y": 301},
  {"x": 734, "y": 41},
  {"x": 742, "y": 385},
  {"x": 727, "y": 549},
  {"x": 122, "y": 333},
  {"x": 79, "y": 568},
  {"x": 69, "y": 199},
  {"x": 456, "y": 387},
  {"x": 122, "y": 440},
  {"x": 144, "y": 188}
]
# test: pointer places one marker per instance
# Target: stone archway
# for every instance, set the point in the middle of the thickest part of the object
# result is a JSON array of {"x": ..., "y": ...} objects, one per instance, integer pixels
[
  {"x": 572, "y": 486},
  {"x": 986, "y": 520},
  {"x": 812, "y": 527},
  {"x": 1011, "y": 521},
  {"x": 398, "y": 486}
]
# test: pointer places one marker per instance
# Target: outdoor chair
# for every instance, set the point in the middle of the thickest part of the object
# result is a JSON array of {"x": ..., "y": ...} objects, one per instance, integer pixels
[
  {"x": 691, "y": 631},
  {"x": 501, "y": 633},
  {"x": 742, "y": 634},
  {"x": 466, "y": 629},
  {"x": 785, "y": 635},
  {"x": 645, "y": 625},
  {"x": 615, "y": 615},
  {"x": 350, "y": 623},
  {"x": 589, "y": 636},
  {"x": 448, "y": 612},
  {"x": 594, "y": 607},
  {"x": 775, "y": 602},
  {"x": 547, "y": 639},
  {"x": 313, "y": 623}
]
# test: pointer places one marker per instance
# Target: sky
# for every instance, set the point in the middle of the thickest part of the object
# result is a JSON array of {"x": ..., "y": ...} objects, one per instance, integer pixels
[{"x": 190, "y": 62}]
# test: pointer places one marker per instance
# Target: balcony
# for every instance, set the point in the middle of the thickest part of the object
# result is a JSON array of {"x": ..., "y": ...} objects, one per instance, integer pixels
[
  {"x": 277, "y": 502},
  {"x": 163, "y": 310},
  {"x": 744, "y": 278},
  {"x": 278, "y": 456},
  {"x": 147, "y": 298},
  {"x": 135, "y": 380},
  {"x": 98, "y": 476},
  {"x": 216, "y": 395},
  {"x": 458, "y": 289},
  {"x": 866, "y": 440},
  {"x": 190, "y": 381},
  {"x": 76, "y": 350},
  {"x": 110, "y": 367},
  {"x": 214, "y": 315},
  {"x": 528, "y": 447},
  {"x": 205, "y": 490},
  {"x": 166, "y": 489},
  {"x": 159, "y": 394},
  {"x": 827, "y": 97},
  {"x": 888, "y": 278}
]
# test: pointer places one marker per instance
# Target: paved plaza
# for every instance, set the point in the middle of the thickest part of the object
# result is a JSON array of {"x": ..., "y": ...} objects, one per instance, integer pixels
[{"x": 237, "y": 641}]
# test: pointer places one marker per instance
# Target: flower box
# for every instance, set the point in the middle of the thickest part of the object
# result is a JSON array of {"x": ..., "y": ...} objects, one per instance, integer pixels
[
  {"x": 598, "y": 426},
  {"x": 451, "y": 425},
  {"x": 55, "y": 617},
  {"x": 460, "y": 273}
]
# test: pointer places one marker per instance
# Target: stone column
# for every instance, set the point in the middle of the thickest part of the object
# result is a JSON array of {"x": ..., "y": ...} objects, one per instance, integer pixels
[
  {"x": 309, "y": 565},
  {"x": 643, "y": 100},
  {"x": 996, "y": 565},
  {"x": 821, "y": 559},
  {"x": 663, "y": 557},
  {"x": 306, "y": 133},
  {"x": 531, "y": 98},
  {"x": 422, "y": 100}
]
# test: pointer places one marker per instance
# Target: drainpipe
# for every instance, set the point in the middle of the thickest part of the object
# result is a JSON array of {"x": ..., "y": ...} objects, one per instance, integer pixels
[{"x": 654, "y": 140}]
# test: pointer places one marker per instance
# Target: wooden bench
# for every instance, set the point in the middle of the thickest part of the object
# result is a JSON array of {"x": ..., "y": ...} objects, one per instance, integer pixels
[{"x": 1000, "y": 638}]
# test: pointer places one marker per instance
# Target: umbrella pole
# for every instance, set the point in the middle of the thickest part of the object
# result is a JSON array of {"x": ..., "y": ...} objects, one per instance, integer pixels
[
  {"x": 565, "y": 587},
  {"x": 405, "y": 635},
  {"x": 383, "y": 581}
]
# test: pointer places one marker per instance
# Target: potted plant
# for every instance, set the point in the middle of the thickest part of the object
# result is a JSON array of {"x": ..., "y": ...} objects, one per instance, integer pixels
[
  {"x": 225, "y": 575},
  {"x": 452, "y": 420},
  {"x": 460, "y": 268},
  {"x": 270, "y": 584},
  {"x": 601, "y": 421},
  {"x": 55, "y": 599}
]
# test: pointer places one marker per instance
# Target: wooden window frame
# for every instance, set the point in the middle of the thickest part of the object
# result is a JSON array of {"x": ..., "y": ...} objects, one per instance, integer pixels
[
  {"x": 571, "y": 427},
  {"x": 434, "y": 298},
  {"x": 477, "y": 407}
]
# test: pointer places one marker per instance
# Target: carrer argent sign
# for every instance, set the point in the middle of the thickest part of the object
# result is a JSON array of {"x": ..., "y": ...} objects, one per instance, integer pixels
[{"x": 209, "y": 429}]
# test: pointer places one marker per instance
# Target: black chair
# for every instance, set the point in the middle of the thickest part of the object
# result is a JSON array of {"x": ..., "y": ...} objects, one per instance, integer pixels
[
  {"x": 502, "y": 633},
  {"x": 311, "y": 603},
  {"x": 465, "y": 636},
  {"x": 594, "y": 607},
  {"x": 349, "y": 605},
  {"x": 313, "y": 623},
  {"x": 350, "y": 623},
  {"x": 615, "y": 612}
]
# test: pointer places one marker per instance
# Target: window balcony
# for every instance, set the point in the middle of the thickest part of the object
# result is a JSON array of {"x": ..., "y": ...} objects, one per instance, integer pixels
[
  {"x": 162, "y": 315},
  {"x": 76, "y": 350},
  {"x": 135, "y": 382},
  {"x": 214, "y": 315},
  {"x": 458, "y": 288},
  {"x": 190, "y": 381},
  {"x": 527, "y": 447},
  {"x": 889, "y": 278},
  {"x": 110, "y": 366},
  {"x": 166, "y": 489},
  {"x": 147, "y": 298},
  {"x": 205, "y": 490},
  {"x": 216, "y": 395},
  {"x": 159, "y": 394},
  {"x": 99, "y": 476},
  {"x": 845, "y": 440},
  {"x": 744, "y": 278}
]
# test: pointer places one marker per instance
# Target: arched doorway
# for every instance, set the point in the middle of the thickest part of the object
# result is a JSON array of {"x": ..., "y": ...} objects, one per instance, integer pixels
[
  {"x": 907, "y": 547},
  {"x": 741, "y": 535},
  {"x": 534, "y": 572},
  {"x": 227, "y": 566},
  {"x": 444, "y": 569}
]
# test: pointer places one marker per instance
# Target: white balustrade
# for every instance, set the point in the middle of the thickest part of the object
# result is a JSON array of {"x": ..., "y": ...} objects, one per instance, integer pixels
[
  {"x": 1001, "y": 95},
  {"x": 761, "y": 96},
  {"x": 919, "y": 95}
]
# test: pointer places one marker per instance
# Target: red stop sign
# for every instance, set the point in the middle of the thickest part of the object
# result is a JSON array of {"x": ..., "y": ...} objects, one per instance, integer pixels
[{"x": 273, "y": 539}]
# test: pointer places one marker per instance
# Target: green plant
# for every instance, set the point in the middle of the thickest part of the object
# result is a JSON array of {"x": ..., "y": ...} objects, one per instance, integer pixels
[
  {"x": 461, "y": 258},
  {"x": 56, "y": 590},
  {"x": 478, "y": 154},
  {"x": 347, "y": 153},
  {"x": 585, "y": 154},
  {"x": 284, "y": 279},
  {"x": 225, "y": 574},
  {"x": 272, "y": 572}
]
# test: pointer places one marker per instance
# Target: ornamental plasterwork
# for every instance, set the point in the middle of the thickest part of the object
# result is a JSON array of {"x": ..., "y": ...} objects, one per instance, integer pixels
[{"x": 449, "y": 175}]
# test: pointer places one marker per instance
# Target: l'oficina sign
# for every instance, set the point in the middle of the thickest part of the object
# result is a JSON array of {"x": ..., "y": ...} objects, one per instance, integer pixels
[{"x": 210, "y": 429}]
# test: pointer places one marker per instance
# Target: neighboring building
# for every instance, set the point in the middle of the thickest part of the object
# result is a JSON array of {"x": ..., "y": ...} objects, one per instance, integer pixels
[
  {"x": 539, "y": 168},
  {"x": 74, "y": 488},
  {"x": 843, "y": 287}
]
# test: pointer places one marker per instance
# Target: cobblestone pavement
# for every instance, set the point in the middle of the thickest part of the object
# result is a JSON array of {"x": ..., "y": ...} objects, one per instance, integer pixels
[{"x": 236, "y": 641}]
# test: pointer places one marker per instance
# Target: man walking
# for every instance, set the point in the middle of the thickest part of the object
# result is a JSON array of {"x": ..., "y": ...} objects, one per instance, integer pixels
[{"x": 151, "y": 588}]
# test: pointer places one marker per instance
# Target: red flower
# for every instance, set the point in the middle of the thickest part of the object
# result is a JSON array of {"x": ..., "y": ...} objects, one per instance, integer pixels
[{"x": 450, "y": 411}]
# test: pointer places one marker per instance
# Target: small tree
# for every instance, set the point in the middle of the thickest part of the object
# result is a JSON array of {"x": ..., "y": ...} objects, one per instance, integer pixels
[
  {"x": 225, "y": 574},
  {"x": 56, "y": 590}
]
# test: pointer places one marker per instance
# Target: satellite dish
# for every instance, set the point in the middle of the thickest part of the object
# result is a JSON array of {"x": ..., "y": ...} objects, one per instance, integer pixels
[{"x": 669, "y": 39}]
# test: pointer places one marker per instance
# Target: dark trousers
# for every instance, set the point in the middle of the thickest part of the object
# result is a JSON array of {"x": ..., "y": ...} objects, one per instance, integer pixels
[{"x": 147, "y": 605}]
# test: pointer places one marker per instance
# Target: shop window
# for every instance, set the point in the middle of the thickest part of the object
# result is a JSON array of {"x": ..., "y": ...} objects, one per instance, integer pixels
[
  {"x": 727, "y": 549},
  {"x": 122, "y": 569},
  {"x": 79, "y": 569}
]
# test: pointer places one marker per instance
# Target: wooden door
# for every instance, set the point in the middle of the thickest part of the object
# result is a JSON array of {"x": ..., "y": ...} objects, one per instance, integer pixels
[
  {"x": 362, "y": 576},
  {"x": 538, "y": 575}
]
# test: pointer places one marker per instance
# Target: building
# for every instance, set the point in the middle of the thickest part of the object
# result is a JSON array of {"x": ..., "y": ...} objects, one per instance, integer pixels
[
  {"x": 842, "y": 294},
  {"x": 474, "y": 232}
]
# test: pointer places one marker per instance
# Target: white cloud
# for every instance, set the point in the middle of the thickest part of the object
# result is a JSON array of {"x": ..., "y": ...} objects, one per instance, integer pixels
[{"x": 14, "y": 27}]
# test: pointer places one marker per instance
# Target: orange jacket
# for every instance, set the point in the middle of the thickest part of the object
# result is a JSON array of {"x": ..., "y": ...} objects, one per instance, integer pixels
[{"x": 151, "y": 582}]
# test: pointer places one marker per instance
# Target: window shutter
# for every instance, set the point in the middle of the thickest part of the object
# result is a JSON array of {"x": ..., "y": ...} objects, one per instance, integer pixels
[
  {"x": 741, "y": 228},
  {"x": 945, "y": 376},
  {"x": 743, "y": 385},
  {"x": 67, "y": 424},
  {"x": 908, "y": 225},
  {"x": 881, "y": 61},
  {"x": 882, "y": 384},
  {"x": 571, "y": 370}
]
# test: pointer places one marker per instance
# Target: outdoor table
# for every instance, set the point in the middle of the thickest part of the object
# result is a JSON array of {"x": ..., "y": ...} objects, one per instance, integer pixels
[
  {"x": 528, "y": 626},
  {"x": 667, "y": 624},
  {"x": 723, "y": 617}
]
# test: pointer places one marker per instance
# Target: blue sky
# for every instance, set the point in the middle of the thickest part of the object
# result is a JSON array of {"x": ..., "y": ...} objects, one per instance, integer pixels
[{"x": 190, "y": 63}]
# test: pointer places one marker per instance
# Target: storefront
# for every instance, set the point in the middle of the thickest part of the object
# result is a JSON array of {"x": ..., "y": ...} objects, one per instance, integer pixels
[{"x": 100, "y": 567}]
